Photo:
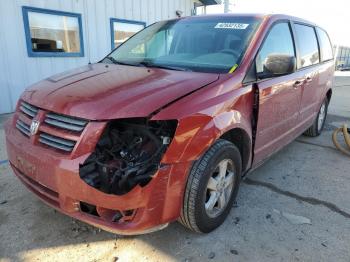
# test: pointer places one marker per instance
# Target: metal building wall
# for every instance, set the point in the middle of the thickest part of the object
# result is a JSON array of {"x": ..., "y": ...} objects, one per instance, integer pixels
[
  {"x": 17, "y": 70},
  {"x": 342, "y": 60}
]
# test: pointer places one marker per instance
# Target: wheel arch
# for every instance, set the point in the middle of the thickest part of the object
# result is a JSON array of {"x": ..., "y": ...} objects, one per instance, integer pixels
[
  {"x": 329, "y": 94},
  {"x": 240, "y": 138}
]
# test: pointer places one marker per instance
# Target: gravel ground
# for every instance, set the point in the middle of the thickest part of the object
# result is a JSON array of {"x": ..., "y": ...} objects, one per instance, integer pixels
[{"x": 293, "y": 208}]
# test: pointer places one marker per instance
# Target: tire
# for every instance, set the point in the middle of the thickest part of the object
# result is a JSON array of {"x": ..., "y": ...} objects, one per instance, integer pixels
[
  {"x": 318, "y": 125},
  {"x": 196, "y": 213}
]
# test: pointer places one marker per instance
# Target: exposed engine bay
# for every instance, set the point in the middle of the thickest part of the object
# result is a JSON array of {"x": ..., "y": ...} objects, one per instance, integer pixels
[{"x": 128, "y": 154}]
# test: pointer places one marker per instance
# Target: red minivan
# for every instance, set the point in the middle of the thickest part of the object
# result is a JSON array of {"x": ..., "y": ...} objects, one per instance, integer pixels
[{"x": 166, "y": 125}]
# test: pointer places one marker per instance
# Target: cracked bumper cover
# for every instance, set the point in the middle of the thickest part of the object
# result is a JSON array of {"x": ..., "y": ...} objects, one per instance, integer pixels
[{"x": 54, "y": 178}]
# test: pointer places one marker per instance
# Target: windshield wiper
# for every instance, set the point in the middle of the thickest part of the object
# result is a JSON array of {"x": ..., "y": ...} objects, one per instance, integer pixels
[
  {"x": 150, "y": 64},
  {"x": 114, "y": 61},
  {"x": 146, "y": 64}
]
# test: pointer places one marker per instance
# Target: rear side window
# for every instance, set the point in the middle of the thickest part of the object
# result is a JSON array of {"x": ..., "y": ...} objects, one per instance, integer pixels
[
  {"x": 325, "y": 45},
  {"x": 278, "y": 41},
  {"x": 307, "y": 44}
]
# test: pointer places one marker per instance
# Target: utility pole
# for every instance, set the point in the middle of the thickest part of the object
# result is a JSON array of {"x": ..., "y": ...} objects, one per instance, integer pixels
[{"x": 227, "y": 6}]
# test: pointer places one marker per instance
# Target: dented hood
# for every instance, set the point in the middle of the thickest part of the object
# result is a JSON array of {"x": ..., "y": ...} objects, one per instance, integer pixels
[{"x": 103, "y": 91}]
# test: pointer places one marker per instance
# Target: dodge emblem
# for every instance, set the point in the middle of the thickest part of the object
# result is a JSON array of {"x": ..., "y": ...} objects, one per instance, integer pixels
[{"x": 34, "y": 127}]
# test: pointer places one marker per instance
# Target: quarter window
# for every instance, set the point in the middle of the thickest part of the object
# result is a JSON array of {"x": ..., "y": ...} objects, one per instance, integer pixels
[
  {"x": 52, "y": 33},
  {"x": 307, "y": 44},
  {"x": 325, "y": 45},
  {"x": 122, "y": 30},
  {"x": 279, "y": 41}
]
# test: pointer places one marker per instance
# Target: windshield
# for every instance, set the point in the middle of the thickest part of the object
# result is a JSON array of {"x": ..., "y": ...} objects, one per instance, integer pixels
[{"x": 203, "y": 45}]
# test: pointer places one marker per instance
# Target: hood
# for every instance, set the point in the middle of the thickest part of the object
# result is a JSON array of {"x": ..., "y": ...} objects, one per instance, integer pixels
[{"x": 102, "y": 91}]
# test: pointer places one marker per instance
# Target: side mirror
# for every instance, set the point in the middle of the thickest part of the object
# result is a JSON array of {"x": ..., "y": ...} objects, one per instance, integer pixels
[{"x": 277, "y": 65}]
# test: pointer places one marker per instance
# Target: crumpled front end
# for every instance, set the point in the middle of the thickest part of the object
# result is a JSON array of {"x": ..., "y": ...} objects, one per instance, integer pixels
[
  {"x": 106, "y": 173},
  {"x": 127, "y": 154}
]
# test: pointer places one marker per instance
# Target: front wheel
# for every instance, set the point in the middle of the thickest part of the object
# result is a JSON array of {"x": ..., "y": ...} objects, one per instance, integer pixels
[
  {"x": 317, "y": 126},
  {"x": 211, "y": 188}
]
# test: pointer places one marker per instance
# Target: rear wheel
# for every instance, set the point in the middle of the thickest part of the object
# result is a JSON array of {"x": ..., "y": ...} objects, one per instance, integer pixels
[
  {"x": 212, "y": 187},
  {"x": 317, "y": 126}
]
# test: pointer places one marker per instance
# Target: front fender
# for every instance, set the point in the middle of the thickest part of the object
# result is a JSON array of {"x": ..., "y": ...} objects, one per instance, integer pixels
[{"x": 195, "y": 134}]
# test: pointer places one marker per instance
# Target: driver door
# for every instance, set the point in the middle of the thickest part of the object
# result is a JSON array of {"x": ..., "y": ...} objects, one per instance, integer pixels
[{"x": 279, "y": 97}]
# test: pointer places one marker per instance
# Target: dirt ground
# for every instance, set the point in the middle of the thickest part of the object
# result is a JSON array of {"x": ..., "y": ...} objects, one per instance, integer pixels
[{"x": 296, "y": 207}]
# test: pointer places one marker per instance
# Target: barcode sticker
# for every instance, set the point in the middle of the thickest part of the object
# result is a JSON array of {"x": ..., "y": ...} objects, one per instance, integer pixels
[{"x": 238, "y": 26}]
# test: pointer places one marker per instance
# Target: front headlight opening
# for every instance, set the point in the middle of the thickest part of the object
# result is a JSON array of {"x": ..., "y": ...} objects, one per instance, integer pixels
[{"x": 128, "y": 154}]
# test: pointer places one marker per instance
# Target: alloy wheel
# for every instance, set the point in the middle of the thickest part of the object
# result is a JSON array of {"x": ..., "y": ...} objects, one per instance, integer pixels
[
  {"x": 219, "y": 188},
  {"x": 321, "y": 116}
]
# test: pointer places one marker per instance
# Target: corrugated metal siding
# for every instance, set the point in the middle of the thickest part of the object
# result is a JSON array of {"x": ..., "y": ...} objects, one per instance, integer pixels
[{"x": 17, "y": 70}]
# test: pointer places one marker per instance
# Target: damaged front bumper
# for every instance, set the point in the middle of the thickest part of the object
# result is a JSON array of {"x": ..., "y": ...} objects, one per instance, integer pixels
[{"x": 55, "y": 179}]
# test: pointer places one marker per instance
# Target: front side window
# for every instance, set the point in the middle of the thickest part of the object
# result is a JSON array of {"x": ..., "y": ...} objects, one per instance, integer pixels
[
  {"x": 307, "y": 44},
  {"x": 122, "y": 30},
  {"x": 278, "y": 42},
  {"x": 202, "y": 45},
  {"x": 52, "y": 33},
  {"x": 325, "y": 45}
]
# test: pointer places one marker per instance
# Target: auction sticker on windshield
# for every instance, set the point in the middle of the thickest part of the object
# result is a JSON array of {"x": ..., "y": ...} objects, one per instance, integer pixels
[{"x": 232, "y": 26}]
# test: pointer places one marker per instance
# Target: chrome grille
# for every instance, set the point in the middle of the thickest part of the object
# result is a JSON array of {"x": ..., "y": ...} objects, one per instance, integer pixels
[
  {"x": 65, "y": 122},
  {"x": 23, "y": 127},
  {"x": 53, "y": 120},
  {"x": 28, "y": 109},
  {"x": 57, "y": 142}
]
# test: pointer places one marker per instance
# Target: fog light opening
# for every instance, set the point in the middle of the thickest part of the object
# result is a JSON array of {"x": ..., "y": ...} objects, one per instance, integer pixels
[
  {"x": 128, "y": 154},
  {"x": 89, "y": 209},
  {"x": 115, "y": 216}
]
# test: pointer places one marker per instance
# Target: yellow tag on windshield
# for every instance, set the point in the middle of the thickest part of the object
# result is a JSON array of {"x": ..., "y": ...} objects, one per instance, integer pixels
[{"x": 233, "y": 69}]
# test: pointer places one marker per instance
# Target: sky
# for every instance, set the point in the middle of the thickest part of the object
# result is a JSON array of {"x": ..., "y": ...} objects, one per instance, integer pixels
[{"x": 333, "y": 16}]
